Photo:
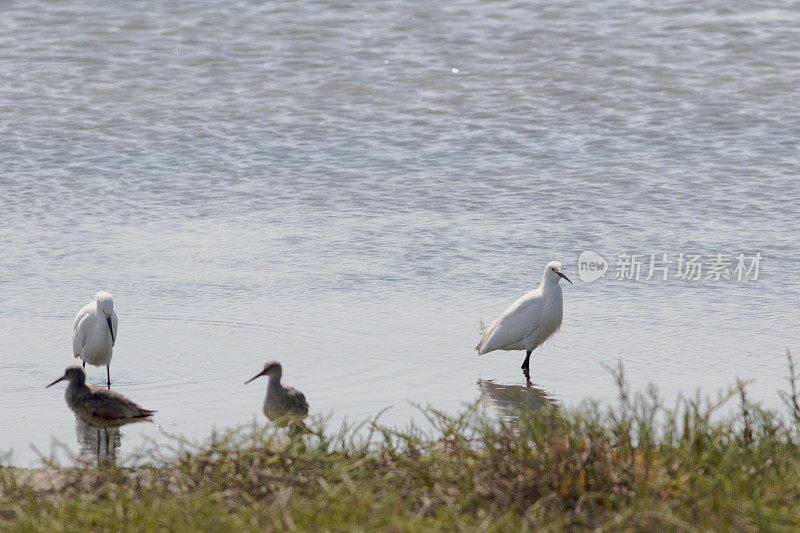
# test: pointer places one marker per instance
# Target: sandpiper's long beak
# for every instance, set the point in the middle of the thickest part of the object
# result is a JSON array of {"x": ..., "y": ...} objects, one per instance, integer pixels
[
  {"x": 111, "y": 329},
  {"x": 254, "y": 377},
  {"x": 564, "y": 276},
  {"x": 56, "y": 381}
]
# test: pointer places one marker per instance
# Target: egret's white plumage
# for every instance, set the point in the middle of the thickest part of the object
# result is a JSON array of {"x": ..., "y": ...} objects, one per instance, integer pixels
[
  {"x": 529, "y": 321},
  {"x": 95, "y": 332}
]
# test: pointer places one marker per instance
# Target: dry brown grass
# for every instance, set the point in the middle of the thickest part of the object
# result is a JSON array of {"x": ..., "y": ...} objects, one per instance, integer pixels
[{"x": 635, "y": 466}]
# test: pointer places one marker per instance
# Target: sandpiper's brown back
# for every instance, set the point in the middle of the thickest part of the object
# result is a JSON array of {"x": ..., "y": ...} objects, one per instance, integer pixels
[{"x": 99, "y": 407}]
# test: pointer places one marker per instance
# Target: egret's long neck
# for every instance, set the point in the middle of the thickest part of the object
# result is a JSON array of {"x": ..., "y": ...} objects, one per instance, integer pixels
[{"x": 549, "y": 285}]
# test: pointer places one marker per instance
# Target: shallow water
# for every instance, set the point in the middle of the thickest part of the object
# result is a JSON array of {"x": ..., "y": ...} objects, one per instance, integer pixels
[{"x": 349, "y": 187}]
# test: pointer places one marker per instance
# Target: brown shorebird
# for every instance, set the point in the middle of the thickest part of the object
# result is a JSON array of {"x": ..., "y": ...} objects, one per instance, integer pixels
[
  {"x": 282, "y": 404},
  {"x": 98, "y": 407}
]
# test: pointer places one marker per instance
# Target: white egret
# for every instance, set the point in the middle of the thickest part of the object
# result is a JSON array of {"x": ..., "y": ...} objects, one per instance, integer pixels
[
  {"x": 529, "y": 321},
  {"x": 98, "y": 407},
  {"x": 282, "y": 404},
  {"x": 95, "y": 332}
]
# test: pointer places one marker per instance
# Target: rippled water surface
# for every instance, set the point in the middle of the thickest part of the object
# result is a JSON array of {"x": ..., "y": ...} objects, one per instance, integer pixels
[{"x": 349, "y": 187}]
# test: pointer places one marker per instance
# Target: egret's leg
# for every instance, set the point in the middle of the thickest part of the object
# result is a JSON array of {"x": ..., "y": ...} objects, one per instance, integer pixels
[
  {"x": 108, "y": 374},
  {"x": 527, "y": 378},
  {"x": 107, "y": 441},
  {"x": 526, "y": 364},
  {"x": 98, "y": 443}
]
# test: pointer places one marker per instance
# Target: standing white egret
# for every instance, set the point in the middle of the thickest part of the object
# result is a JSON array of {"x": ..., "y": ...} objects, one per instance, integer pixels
[
  {"x": 529, "y": 321},
  {"x": 95, "y": 332},
  {"x": 97, "y": 407},
  {"x": 282, "y": 404}
]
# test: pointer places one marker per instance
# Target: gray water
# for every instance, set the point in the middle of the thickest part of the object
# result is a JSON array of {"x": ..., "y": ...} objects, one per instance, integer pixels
[{"x": 350, "y": 187}]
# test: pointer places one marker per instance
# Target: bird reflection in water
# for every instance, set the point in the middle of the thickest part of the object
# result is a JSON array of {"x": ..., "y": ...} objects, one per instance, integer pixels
[
  {"x": 91, "y": 445},
  {"x": 508, "y": 400}
]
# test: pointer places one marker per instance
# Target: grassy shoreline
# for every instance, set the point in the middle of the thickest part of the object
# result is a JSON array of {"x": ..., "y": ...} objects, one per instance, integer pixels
[{"x": 633, "y": 466}]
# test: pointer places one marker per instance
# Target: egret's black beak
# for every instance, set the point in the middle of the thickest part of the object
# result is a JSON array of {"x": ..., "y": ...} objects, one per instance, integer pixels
[
  {"x": 563, "y": 276},
  {"x": 111, "y": 329},
  {"x": 256, "y": 376},
  {"x": 56, "y": 381}
]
